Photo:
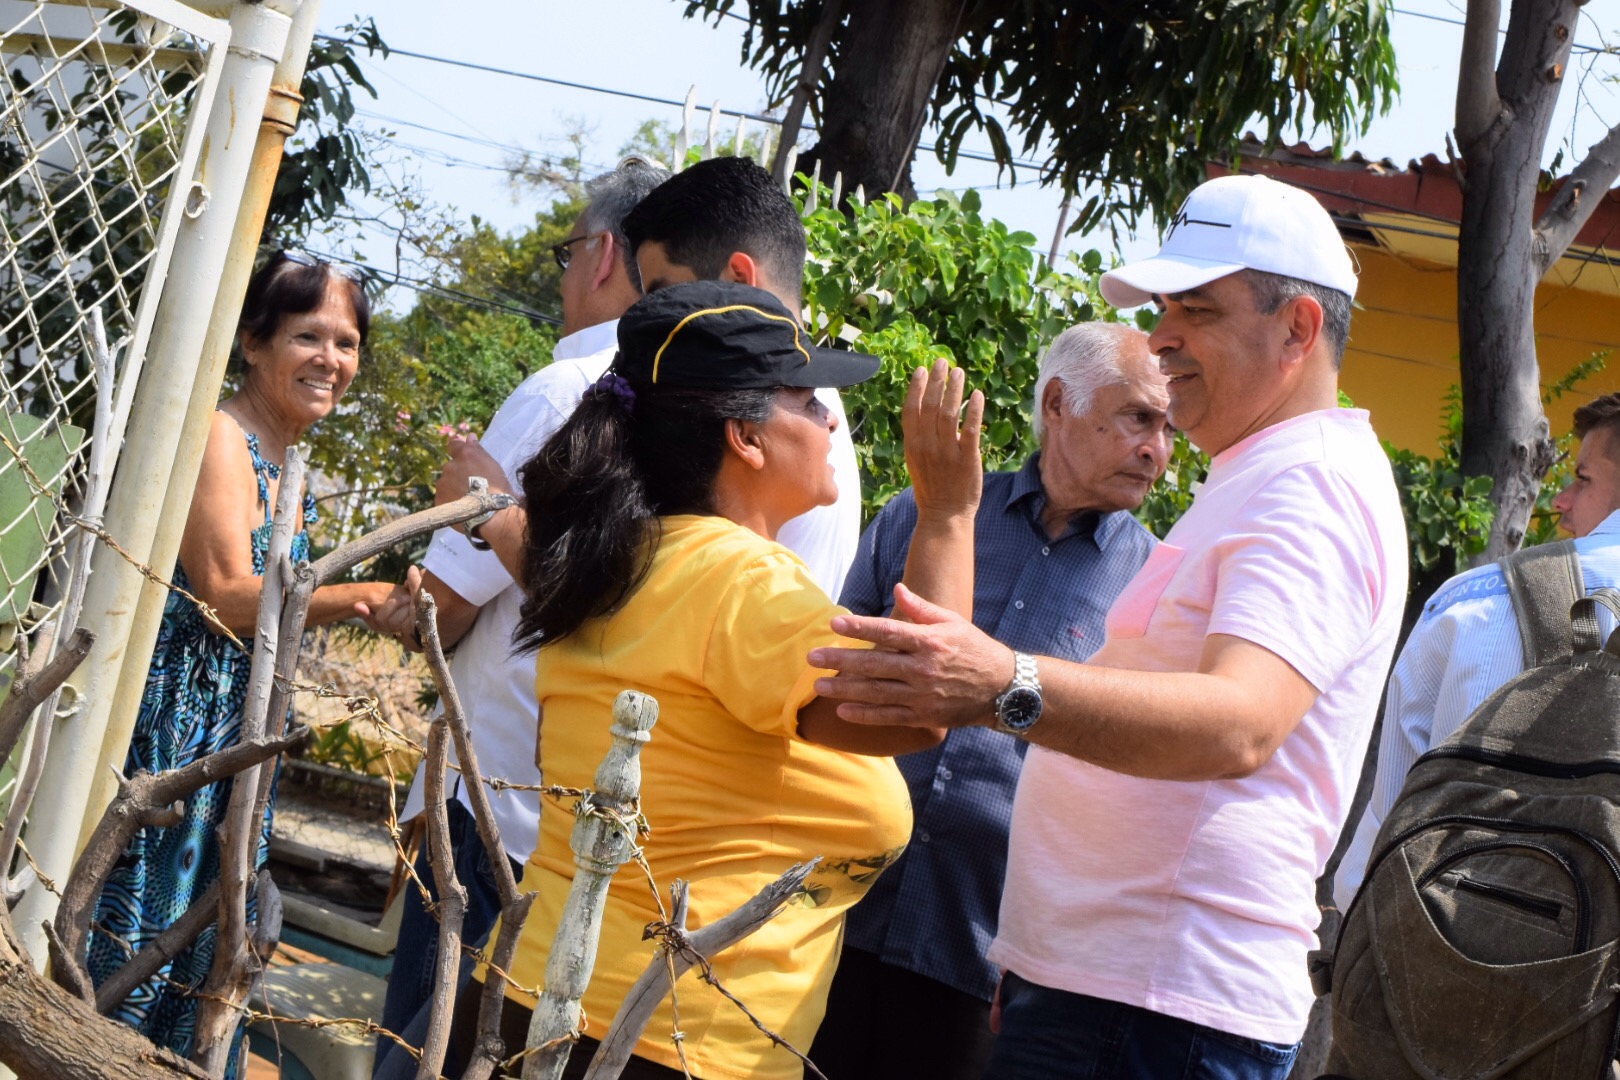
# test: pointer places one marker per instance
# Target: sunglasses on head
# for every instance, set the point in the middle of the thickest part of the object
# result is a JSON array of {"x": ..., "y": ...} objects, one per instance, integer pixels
[{"x": 348, "y": 273}]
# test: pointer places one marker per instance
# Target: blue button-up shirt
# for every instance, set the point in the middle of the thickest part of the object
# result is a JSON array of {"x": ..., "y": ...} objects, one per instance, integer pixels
[{"x": 934, "y": 912}]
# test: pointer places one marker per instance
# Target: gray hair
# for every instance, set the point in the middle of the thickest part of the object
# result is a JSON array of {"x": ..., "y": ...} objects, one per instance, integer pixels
[
  {"x": 612, "y": 196},
  {"x": 1272, "y": 291},
  {"x": 1084, "y": 359}
]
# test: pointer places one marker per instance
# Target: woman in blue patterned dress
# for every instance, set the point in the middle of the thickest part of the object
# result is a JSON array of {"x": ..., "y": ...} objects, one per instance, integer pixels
[{"x": 300, "y": 334}]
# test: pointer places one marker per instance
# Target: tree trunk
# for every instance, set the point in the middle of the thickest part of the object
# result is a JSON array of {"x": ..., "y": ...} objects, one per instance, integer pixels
[
  {"x": 889, "y": 60},
  {"x": 48, "y": 1034},
  {"x": 1503, "y": 117}
]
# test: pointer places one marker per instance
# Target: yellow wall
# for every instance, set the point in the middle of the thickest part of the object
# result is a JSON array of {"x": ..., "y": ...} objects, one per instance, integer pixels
[{"x": 1402, "y": 355}]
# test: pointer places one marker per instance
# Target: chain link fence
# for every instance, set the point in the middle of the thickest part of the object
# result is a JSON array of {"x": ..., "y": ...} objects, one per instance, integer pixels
[{"x": 94, "y": 109}]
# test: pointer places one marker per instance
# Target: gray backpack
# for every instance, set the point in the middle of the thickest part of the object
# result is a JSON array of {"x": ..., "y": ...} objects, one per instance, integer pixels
[{"x": 1484, "y": 940}]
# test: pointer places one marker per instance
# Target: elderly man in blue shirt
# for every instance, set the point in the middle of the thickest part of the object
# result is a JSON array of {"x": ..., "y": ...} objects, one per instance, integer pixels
[
  {"x": 1054, "y": 543},
  {"x": 1466, "y": 643}
]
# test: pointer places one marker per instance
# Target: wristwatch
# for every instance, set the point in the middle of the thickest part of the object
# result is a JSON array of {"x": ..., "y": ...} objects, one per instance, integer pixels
[{"x": 1019, "y": 706}]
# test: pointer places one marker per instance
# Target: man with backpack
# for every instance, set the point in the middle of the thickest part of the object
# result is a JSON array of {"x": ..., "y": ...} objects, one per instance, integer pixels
[
  {"x": 1467, "y": 641},
  {"x": 1481, "y": 931}
]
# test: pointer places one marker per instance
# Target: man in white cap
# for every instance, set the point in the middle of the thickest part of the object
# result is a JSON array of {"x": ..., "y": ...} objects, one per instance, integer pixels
[{"x": 1188, "y": 782}]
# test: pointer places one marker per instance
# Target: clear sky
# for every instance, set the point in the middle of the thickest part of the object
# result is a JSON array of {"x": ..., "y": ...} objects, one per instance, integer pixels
[{"x": 646, "y": 46}]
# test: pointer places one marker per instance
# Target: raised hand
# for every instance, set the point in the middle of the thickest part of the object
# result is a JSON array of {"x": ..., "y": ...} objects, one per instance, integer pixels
[{"x": 942, "y": 441}]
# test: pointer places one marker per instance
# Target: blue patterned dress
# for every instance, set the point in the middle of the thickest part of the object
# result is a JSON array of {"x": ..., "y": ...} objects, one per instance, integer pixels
[{"x": 192, "y": 707}]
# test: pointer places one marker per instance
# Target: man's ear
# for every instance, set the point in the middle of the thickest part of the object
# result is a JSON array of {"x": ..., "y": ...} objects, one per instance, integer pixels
[
  {"x": 741, "y": 268},
  {"x": 1052, "y": 400},
  {"x": 1304, "y": 315},
  {"x": 742, "y": 439},
  {"x": 608, "y": 261}
]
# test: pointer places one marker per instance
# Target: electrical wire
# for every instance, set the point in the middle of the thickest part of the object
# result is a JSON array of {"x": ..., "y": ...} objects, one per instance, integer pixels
[
  {"x": 1576, "y": 47},
  {"x": 969, "y": 155},
  {"x": 418, "y": 285}
]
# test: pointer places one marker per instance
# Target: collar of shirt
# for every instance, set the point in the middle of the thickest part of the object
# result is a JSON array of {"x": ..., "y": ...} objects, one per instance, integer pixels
[
  {"x": 1609, "y": 526},
  {"x": 592, "y": 339},
  {"x": 1028, "y": 497}
]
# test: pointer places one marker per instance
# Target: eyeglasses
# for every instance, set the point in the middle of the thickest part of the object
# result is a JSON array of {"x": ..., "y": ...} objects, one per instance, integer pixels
[
  {"x": 561, "y": 251},
  {"x": 348, "y": 273}
]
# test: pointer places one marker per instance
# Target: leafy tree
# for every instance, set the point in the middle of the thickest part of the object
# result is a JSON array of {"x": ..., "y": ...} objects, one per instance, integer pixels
[
  {"x": 1505, "y": 101},
  {"x": 445, "y": 364},
  {"x": 325, "y": 161},
  {"x": 937, "y": 279},
  {"x": 1134, "y": 95}
]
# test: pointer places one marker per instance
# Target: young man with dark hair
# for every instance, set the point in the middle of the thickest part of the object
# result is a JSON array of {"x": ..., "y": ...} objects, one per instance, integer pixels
[
  {"x": 1466, "y": 643},
  {"x": 725, "y": 219},
  {"x": 727, "y": 216},
  {"x": 720, "y": 210}
]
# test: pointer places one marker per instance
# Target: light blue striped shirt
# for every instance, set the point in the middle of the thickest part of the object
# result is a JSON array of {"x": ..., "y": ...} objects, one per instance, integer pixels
[{"x": 1465, "y": 645}]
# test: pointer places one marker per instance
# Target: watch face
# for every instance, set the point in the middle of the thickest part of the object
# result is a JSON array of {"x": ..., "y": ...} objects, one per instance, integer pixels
[{"x": 1019, "y": 708}]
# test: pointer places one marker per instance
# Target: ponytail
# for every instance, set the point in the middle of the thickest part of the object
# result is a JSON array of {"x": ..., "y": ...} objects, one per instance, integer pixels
[{"x": 595, "y": 491}]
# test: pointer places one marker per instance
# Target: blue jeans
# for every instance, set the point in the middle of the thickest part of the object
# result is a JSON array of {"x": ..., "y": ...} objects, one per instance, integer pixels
[
  {"x": 1055, "y": 1035},
  {"x": 410, "y": 984}
]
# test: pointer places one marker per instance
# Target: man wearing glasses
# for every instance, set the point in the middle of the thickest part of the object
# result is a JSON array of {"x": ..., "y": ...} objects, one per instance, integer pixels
[{"x": 478, "y": 601}]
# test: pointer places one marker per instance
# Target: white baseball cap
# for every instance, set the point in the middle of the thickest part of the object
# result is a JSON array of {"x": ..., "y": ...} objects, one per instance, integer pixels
[{"x": 1237, "y": 223}]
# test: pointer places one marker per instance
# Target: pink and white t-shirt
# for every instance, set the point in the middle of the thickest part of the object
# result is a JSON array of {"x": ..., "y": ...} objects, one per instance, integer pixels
[{"x": 1197, "y": 900}]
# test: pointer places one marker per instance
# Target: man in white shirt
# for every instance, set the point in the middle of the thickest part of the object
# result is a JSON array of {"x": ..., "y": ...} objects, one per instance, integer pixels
[
  {"x": 478, "y": 600},
  {"x": 1466, "y": 643}
]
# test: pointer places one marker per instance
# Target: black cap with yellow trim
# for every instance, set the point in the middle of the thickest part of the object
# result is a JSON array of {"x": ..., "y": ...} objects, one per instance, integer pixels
[{"x": 720, "y": 335}]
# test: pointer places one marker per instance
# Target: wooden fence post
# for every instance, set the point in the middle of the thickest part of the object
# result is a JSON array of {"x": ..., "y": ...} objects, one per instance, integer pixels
[{"x": 604, "y": 839}]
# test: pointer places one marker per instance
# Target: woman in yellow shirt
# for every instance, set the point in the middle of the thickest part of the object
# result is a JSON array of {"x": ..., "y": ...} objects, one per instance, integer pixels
[{"x": 651, "y": 565}]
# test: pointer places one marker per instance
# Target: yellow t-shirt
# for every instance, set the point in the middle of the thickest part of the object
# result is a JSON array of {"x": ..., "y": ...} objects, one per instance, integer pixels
[{"x": 717, "y": 633}]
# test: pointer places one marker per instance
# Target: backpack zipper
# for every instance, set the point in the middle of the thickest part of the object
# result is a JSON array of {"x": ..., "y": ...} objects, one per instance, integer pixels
[
  {"x": 1478, "y": 822},
  {"x": 1521, "y": 763},
  {"x": 1547, "y": 909}
]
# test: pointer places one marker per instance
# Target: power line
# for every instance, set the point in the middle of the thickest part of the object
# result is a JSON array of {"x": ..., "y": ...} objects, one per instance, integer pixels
[
  {"x": 531, "y": 77},
  {"x": 509, "y": 148},
  {"x": 969, "y": 155},
  {"x": 1576, "y": 47},
  {"x": 418, "y": 285}
]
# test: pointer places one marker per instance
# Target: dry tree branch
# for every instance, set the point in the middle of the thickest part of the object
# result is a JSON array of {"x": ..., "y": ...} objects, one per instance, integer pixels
[
  {"x": 604, "y": 838},
  {"x": 688, "y": 948},
  {"x": 159, "y": 951},
  {"x": 336, "y": 563},
  {"x": 37, "y": 679},
  {"x": 97, "y": 483},
  {"x": 490, "y": 1049},
  {"x": 294, "y": 613},
  {"x": 452, "y": 894},
  {"x": 144, "y": 799},
  {"x": 232, "y": 969}
]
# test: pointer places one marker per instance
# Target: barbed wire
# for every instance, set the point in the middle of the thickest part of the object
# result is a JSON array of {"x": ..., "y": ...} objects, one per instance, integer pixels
[
  {"x": 94, "y": 529},
  {"x": 45, "y": 882}
]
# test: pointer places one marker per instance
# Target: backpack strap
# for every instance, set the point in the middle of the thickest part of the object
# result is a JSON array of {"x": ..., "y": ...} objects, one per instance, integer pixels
[{"x": 1544, "y": 582}]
